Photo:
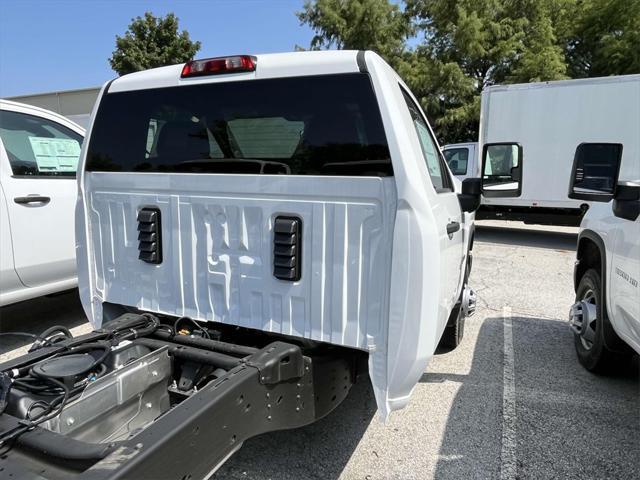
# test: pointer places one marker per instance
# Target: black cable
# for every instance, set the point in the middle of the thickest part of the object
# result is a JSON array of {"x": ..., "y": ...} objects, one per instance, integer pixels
[
  {"x": 23, "y": 334},
  {"x": 47, "y": 337},
  {"x": 203, "y": 329},
  {"x": 27, "y": 424}
]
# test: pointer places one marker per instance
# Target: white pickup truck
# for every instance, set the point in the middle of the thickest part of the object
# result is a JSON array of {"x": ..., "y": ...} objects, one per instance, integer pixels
[
  {"x": 39, "y": 152},
  {"x": 606, "y": 316},
  {"x": 253, "y": 232}
]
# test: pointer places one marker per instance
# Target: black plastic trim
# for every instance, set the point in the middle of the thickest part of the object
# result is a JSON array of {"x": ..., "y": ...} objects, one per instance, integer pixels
[
  {"x": 362, "y": 64},
  {"x": 626, "y": 204},
  {"x": 106, "y": 88},
  {"x": 501, "y": 193},
  {"x": 594, "y": 197},
  {"x": 287, "y": 251},
  {"x": 150, "y": 235}
]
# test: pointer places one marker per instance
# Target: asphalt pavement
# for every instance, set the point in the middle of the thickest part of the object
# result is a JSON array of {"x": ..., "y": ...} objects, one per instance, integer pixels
[{"x": 511, "y": 402}]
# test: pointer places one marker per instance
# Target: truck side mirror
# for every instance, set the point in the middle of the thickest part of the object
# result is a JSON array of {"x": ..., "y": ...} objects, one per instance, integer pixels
[
  {"x": 595, "y": 171},
  {"x": 502, "y": 170},
  {"x": 470, "y": 197}
]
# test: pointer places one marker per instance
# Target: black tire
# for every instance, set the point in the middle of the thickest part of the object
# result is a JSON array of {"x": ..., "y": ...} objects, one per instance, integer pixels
[
  {"x": 595, "y": 356},
  {"x": 454, "y": 331}
]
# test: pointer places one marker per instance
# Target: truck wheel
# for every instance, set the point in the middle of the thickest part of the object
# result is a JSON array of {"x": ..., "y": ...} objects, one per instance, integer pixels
[
  {"x": 592, "y": 352},
  {"x": 454, "y": 331}
]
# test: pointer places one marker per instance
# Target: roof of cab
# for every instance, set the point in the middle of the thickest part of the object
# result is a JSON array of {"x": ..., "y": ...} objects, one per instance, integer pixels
[
  {"x": 40, "y": 112},
  {"x": 273, "y": 65}
]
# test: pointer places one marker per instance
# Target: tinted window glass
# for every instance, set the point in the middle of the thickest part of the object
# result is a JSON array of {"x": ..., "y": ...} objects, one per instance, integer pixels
[
  {"x": 457, "y": 159},
  {"x": 316, "y": 125},
  {"x": 39, "y": 147},
  {"x": 428, "y": 145}
]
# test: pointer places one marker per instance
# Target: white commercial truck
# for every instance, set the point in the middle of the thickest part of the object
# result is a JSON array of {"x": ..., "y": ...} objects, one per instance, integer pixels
[
  {"x": 606, "y": 316},
  {"x": 549, "y": 121},
  {"x": 253, "y": 232}
]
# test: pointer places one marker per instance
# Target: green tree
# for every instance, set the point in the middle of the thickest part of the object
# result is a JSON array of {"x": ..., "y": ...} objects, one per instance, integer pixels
[
  {"x": 605, "y": 38},
  {"x": 542, "y": 57},
  {"x": 477, "y": 43},
  {"x": 357, "y": 25},
  {"x": 151, "y": 42}
]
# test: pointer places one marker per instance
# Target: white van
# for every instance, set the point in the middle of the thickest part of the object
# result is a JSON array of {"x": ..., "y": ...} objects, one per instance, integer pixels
[{"x": 39, "y": 152}]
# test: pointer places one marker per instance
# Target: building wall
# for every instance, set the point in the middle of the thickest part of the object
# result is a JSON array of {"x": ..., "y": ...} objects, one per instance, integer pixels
[{"x": 76, "y": 105}]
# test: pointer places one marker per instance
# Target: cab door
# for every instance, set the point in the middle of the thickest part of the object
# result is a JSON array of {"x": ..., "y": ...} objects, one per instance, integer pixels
[
  {"x": 9, "y": 280},
  {"x": 446, "y": 210},
  {"x": 38, "y": 168},
  {"x": 624, "y": 274}
]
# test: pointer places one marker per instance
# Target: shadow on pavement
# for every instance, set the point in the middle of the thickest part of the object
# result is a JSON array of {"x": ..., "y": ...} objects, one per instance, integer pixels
[
  {"x": 527, "y": 238},
  {"x": 569, "y": 422},
  {"x": 35, "y": 316},
  {"x": 318, "y": 451}
]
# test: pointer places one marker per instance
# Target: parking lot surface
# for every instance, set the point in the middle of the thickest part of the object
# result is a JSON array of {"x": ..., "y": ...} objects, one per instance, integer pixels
[{"x": 510, "y": 402}]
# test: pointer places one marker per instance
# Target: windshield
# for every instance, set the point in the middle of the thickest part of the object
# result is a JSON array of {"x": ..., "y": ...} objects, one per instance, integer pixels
[{"x": 315, "y": 125}]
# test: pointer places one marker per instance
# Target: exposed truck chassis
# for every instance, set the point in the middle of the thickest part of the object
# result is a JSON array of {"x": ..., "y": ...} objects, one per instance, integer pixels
[{"x": 274, "y": 387}]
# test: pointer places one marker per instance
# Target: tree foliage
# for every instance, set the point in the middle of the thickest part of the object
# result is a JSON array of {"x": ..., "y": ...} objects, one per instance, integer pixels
[
  {"x": 605, "y": 39},
  {"x": 357, "y": 25},
  {"x": 152, "y": 42},
  {"x": 447, "y": 51}
]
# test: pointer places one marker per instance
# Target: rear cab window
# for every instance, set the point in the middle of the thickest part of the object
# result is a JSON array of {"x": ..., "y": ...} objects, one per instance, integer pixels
[
  {"x": 38, "y": 147},
  {"x": 313, "y": 125}
]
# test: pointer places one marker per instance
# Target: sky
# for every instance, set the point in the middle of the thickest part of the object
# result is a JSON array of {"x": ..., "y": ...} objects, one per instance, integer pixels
[{"x": 65, "y": 44}]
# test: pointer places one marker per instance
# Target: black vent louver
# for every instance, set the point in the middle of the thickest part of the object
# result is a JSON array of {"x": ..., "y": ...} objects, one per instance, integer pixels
[
  {"x": 287, "y": 241},
  {"x": 149, "y": 235}
]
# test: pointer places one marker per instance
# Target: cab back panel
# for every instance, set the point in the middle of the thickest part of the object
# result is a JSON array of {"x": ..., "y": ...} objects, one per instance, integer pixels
[{"x": 217, "y": 250}]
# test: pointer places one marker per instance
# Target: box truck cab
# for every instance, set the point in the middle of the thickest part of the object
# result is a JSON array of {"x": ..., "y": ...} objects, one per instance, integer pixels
[{"x": 252, "y": 230}]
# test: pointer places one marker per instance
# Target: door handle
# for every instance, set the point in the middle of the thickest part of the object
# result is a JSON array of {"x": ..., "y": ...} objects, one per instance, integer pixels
[
  {"x": 452, "y": 227},
  {"x": 32, "y": 199}
]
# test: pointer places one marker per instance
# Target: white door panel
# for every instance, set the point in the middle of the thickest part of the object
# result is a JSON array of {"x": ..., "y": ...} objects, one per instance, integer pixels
[
  {"x": 624, "y": 277},
  {"x": 43, "y": 233},
  {"x": 9, "y": 280}
]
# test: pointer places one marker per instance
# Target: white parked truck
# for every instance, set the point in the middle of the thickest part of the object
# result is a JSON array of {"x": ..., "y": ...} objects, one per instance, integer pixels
[
  {"x": 606, "y": 316},
  {"x": 39, "y": 152},
  {"x": 253, "y": 232},
  {"x": 462, "y": 159},
  {"x": 549, "y": 121}
]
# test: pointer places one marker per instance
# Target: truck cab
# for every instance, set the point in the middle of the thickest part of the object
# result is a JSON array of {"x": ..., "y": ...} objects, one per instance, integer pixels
[
  {"x": 462, "y": 159},
  {"x": 253, "y": 233},
  {"x": 39, "y": 153},
  {"x": 606, "y": 316}
]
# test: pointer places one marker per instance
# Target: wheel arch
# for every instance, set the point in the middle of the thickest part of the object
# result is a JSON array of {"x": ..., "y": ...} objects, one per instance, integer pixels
[{"x": 591, "y": 253}]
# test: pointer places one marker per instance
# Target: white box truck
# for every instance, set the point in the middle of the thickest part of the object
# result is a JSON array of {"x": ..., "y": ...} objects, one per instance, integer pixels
[{"x": 549, "y": 121}]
